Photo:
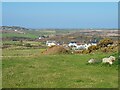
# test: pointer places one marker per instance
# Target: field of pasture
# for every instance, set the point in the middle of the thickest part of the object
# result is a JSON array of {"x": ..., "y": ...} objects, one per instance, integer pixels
[{"x": 28, "y": 68}]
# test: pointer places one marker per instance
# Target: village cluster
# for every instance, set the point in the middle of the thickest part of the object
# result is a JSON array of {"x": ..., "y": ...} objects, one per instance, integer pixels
[{"x": 73, "y": 45}]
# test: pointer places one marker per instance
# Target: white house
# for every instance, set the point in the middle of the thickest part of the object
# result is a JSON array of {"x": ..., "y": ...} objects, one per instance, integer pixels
[
  {"x": 41, "y": 37},
  {"x": 15, "y": 30},
  {"x": 72, "y": 44},
  {"x": 50, "y": 43},
  {"x": 79, "y": 47},
  {"x": 83, "y": 46},
  {"x": 87, "y": 46},
  {"x": 94, "y": 44}
]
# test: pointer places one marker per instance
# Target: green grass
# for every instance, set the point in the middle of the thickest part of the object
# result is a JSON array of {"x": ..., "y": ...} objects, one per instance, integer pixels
[
  {"x": 21, "y": 51},
  {"x": 29, "y": 34},
  {"x": 18, "y": 42},
  {"x": 10, "y": 42},
  {"x": 19, "y": 35},
  {"x": 35, "y": 33},
  {"x": 56, "y": 71}
]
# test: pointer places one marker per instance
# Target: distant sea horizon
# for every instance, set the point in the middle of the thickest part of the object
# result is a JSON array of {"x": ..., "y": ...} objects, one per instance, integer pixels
[{"x": 61, "y": 28}]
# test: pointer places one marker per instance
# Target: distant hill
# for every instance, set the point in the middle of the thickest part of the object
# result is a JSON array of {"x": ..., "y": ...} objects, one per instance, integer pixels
[
  {"x": 12, "y": 28},
  {"x": 60, "y": 35}
]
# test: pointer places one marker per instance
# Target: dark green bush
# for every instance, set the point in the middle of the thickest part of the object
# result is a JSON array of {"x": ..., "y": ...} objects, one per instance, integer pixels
[{"x": 28, "y": 45}]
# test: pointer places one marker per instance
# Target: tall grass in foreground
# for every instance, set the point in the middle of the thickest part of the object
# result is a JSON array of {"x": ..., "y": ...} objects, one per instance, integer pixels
[{"x": 56, "y": 71}]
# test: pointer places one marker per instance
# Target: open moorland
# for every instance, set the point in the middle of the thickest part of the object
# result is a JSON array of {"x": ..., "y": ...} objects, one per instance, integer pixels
[{"x": 27, "y": 62}]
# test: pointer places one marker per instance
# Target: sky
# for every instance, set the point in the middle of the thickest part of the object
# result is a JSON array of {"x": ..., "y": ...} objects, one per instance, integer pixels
[
  {"x": 60, "y": 0},
  {"x": 60, "y": 14}
]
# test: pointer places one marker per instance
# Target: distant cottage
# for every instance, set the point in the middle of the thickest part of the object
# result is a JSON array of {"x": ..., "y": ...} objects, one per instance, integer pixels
[{"x": 51, "y": 43}]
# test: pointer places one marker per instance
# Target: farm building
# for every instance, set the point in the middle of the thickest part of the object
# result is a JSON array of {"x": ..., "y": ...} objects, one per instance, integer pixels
[
  {"x": 72, "y": 44},
  {"x": 81, "y": 46},
  {"x": 51, "y": 43}
]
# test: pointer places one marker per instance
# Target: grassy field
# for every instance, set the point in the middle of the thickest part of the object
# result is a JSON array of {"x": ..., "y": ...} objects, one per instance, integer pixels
[
  {"x": 19, "y": 35},
  {"x": 28, "y": 68},
  {"x": 28, "y": 34},
  {"x": 33, "y": 34}
]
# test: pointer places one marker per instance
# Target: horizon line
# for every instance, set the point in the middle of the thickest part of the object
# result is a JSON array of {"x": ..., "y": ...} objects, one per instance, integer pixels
[{"x": 56, "y": 28}]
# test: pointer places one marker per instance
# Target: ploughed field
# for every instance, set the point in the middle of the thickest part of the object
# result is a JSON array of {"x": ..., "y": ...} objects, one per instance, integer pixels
[{"x": 29, "y": 68}]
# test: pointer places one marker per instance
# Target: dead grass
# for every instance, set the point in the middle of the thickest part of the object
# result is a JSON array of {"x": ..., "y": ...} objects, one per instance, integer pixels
[{"x": 56, "y": 50}]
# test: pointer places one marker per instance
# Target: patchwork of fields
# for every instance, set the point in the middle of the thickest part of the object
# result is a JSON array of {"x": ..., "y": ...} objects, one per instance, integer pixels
[
  {"x": 25, "y": 66},
  {"x": 28, "y": 68}
]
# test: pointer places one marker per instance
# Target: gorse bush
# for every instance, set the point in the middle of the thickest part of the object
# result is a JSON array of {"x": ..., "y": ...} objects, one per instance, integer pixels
[
  {"x": 109, "y": 49},
  {"x": 93, "y": 47},
  {"x": 86, "y": 51},
  {"x": 105, "y": 42}
]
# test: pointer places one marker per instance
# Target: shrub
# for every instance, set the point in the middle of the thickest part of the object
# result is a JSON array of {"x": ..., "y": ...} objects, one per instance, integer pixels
[
  {"x": 28, "y": 45},
  {"x": 93, "y": 47},
  {"x": 86, "y": 51},
  {"x": 104, "y": 49},
  {"x": 78, "y": 52},
  {"x": 18, "y": 44},
  {"x": 105, "y": 42},
  {"x": 109, "y": 49}
]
